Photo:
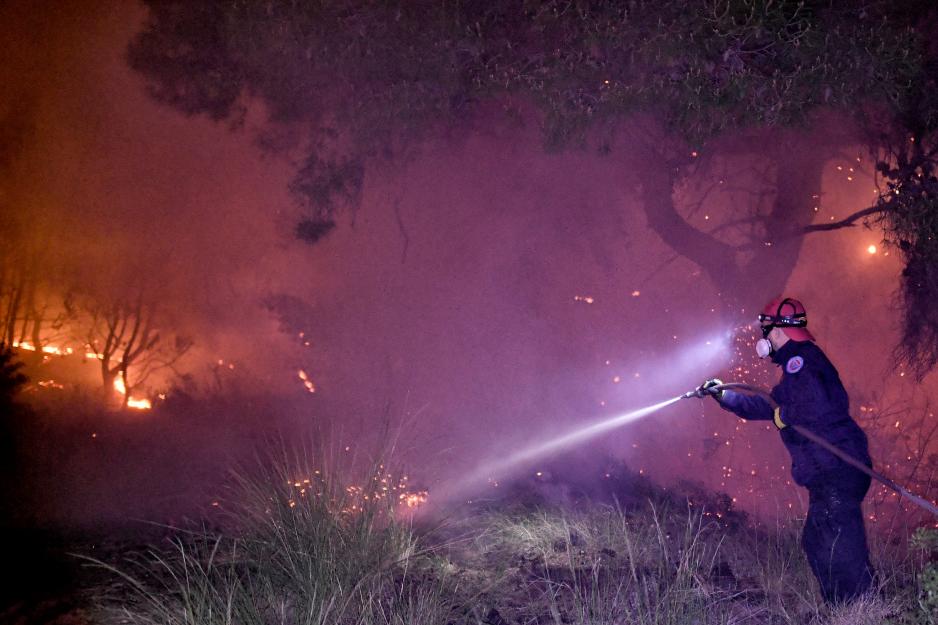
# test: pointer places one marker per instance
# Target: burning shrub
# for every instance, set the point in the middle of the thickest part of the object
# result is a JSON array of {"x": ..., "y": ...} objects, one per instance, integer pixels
[{"x": 314, "y": 549}]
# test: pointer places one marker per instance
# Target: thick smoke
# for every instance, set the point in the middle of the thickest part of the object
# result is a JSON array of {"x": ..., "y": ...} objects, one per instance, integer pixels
[{"x": 484, "y": 292}]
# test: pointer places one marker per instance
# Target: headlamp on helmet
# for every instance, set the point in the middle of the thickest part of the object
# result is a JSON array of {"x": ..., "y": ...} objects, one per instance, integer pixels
[{"x": 778, "y": 320}]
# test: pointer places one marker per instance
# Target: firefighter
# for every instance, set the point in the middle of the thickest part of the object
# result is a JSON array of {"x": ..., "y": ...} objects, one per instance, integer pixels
[{"x": 811, "y": 395}]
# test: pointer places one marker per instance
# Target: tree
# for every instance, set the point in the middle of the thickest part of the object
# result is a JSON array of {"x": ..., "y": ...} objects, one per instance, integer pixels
[
  {"x": 123, "y": 334},
  {"x": 29, "y": 277},
  {"x": 18, "y": 259},
  {"x": 370, "y": 79}
]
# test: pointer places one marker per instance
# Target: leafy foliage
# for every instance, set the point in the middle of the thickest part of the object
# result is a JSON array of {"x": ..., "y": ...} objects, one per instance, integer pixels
[
  {"x": 367, "y": 79},
  {"x": 907, "y": 210},
  {"x": 381, "y": 74},
  {"x": 925, "y": 541}
]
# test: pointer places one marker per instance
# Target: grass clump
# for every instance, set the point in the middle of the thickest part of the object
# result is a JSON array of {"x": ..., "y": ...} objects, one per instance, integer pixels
[
  {"x": 291, "y": 544},
  {"x": 921, "y": 604}
]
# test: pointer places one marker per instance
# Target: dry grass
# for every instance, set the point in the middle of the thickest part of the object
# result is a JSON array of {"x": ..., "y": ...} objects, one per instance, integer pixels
[{"x": 658, "y": 563}]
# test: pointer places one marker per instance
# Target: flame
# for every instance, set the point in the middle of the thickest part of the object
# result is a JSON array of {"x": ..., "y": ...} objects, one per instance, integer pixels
[
  {"x": 132, "y": 402},
  {"x": 54, "y": 350},
  {"x": 46, "y": 349}
]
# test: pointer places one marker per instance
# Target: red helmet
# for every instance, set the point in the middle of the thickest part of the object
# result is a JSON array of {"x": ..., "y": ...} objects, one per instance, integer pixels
[{"x": 789, "y": 315}]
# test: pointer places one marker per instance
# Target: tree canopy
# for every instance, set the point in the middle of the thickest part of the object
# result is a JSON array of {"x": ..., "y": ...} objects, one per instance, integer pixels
[{"x": 368, "y": 79}]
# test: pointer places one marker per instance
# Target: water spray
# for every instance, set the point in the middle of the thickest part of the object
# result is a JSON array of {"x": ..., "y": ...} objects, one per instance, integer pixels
[
  {"x": 536, "y": 451},
  {"x": 700, "y": 391},
  {"x": 685, "y": 361}
]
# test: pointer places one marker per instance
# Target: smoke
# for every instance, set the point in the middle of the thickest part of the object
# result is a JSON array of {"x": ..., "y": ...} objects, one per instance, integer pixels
[
  {"x": 125, "y": 197},
  {"x": 710, "y": 353},
  {"x": 485, "y": 292}
]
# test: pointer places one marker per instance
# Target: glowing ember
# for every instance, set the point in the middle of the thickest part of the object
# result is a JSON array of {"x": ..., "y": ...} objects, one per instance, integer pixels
[
  {"x": 583, "y": 298},
  {"x": 306, "y": 381},
  {"x": 412, "y": 500},
  {"x": 382, "y": 487},
  {"x": 871, "y": 249}
]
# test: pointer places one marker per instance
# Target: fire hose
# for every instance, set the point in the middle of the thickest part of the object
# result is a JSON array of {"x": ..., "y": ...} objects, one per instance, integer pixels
[{"x": 814, "y": 438}]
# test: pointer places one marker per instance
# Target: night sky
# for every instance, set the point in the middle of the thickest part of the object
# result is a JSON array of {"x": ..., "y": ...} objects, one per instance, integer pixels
[{"x": 485, "y": 294}]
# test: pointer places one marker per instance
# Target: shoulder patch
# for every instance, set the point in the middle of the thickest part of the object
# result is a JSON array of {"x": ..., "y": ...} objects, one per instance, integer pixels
[{"x": 794, "y": 364}]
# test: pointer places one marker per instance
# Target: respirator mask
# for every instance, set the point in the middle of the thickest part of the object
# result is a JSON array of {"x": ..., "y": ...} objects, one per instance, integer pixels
[{"x": 764, "y": 347}]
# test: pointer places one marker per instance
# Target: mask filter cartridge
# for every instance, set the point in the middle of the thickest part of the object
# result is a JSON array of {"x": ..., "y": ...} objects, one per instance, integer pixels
[{"x": 764, "y": 348}]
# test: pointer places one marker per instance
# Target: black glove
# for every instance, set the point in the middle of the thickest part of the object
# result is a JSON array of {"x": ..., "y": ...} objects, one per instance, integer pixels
[{"x": 707, "y": 388}]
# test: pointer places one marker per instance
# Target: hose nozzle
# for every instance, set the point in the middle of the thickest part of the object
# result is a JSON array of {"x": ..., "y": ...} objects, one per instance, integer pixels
[
  {"x": 697, "y": 392},
  {"x": 712, "y": 387}
]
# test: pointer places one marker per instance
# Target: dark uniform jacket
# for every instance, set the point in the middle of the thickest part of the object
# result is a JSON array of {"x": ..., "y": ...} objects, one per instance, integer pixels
[{"x": 810, "y": 395}]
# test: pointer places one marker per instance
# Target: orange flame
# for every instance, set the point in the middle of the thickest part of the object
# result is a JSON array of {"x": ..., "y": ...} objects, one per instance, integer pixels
[{"x": 132, "y": 402}]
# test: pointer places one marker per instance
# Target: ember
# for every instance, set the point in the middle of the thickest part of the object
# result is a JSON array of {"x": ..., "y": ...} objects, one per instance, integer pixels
[{"x": 383, "y": 488}]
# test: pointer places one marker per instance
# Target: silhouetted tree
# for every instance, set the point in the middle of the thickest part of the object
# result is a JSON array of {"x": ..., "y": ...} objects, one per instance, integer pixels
[
  {"x": 370, "y": 79},
  {"x": 29, "y": 284},
  {"x": 124, "y": 334},
  {"x": 19, "y": 257}
]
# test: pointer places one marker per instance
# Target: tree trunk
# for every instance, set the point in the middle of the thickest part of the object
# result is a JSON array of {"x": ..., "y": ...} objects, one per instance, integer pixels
[
  {"x": 35, "y": 334},
  {"x": 123, "y": 374},
  {"x": 28, "y": 311},
  {"x": 108, "y": 377},
  {"x": 16, "y": 297},
  {"x": 798, "y": 181},
  {"x": 743, "y": 287}
]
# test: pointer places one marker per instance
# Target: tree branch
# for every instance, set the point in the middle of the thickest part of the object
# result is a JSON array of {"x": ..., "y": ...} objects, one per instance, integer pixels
[
  {"x": 847, "y": 222},
  {"x": 658, "y": 176}
]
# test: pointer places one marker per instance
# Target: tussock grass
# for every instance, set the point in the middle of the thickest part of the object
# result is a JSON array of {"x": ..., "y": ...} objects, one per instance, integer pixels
[
  {"x": 293, "y": 543},
  {"x": 337, "y": 555}
]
